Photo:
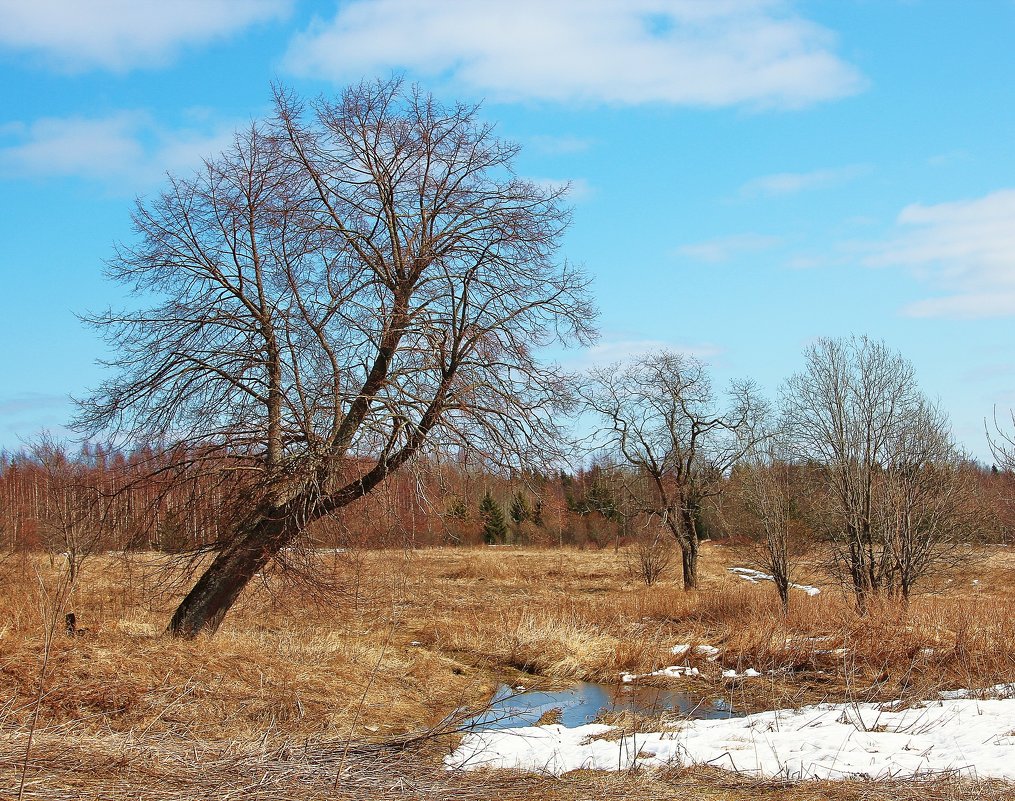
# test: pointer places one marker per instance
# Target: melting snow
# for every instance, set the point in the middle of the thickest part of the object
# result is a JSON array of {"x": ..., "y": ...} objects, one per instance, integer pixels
[
  {"x": 835, "y": 741},
  {"x": 750, "y": 673},
  {"x": 710, "y": 652},
  {"x": 754, "y": 576},
  {"x": 671, "y": 672}
]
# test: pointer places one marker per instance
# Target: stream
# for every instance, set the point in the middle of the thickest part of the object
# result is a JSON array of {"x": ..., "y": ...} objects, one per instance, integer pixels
[{"x": 583, "y": 702}]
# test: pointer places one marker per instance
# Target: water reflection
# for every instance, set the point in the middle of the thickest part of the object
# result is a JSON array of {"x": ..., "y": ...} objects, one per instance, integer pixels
[{"x": 583, "y": 702}]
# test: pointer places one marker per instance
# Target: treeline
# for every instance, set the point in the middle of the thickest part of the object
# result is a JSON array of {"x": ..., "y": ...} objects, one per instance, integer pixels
[
  {"x": 95, "y": 499},
  {"x": 98, "y": 499}
]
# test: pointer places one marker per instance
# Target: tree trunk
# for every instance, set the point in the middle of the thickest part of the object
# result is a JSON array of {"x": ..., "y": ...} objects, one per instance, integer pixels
[
  {"x": 689, "y": 546},
  {"x": 689, "y": 561},
  {"x": 220, "y": 585},
  {"x": 782, "y": 585}
]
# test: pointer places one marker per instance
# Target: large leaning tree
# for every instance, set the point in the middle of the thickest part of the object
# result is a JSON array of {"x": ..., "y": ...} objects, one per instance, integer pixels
[
  {"x": 353, "y": 282},
  {"x": 662, "y": 423}
]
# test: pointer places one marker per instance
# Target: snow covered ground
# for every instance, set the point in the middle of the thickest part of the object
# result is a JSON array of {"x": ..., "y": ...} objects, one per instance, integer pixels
[
  {"x": 754, "y": 576},
  {"x": 835, "y": 741}
]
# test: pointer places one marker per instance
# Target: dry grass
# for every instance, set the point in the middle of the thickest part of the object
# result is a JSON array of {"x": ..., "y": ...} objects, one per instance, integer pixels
[{"x": 415, "y": 635}]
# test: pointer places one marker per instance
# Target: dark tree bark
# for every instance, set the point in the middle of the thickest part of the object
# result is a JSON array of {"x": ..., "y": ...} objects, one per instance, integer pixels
[
  {"x": 689, "y": 562},
  {"x": 664, "y": 430},
  {"x": 220, "y": 585},
  {"x": 348, "y": 286}
]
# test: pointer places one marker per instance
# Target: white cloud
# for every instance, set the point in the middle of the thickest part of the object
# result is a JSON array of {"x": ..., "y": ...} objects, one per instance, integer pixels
[
  {"x": 560, "y": 145},
  {"x": 791, "y": 183},
  {"x": 126, "y": 151},
  {"x": 966, "y": 248},
  {"x": 577, "y": 189},
  {"x": 121, "y": 34},
  {"x": 618, "y": 350},
  {"x": 687, "y": 52},
  {"x": 725, "y": 248}
]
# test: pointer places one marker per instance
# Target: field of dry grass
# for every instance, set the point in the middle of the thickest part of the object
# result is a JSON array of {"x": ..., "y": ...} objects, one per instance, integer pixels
[{"x": 306, "y": 696}]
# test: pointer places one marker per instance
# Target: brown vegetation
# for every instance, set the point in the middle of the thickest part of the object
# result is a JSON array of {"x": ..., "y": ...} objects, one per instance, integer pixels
[{"x": 412, "y": 636}]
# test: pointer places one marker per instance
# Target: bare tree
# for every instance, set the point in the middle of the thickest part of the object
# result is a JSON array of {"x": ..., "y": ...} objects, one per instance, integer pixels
[
  {"x": 772, "y": 489},
  {"x": 857, "y": 411},
  {"x": 349, "y": 284},
  {"x": 663, "y": 419},
  {"x": 73, "y": 508},
  {"x": 926, "y": 500}
]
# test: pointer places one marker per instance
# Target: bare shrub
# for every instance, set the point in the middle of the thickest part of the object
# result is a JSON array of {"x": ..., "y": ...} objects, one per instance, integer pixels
[{"x": 650, "y": 557}]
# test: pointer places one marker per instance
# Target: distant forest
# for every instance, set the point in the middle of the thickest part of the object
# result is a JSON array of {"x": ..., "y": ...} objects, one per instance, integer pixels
[{"x": 99, "y": 500}]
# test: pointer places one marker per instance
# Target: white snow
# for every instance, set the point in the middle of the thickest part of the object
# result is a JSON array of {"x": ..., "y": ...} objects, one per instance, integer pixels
[
  {"x": 754, "y": 576},
  {"x": 835, "y": 741},
  {"x": 997, "y": 691},
  {"x": 750, "y": 673},
  {"x": 710, "y": 652},
  {"x": 671, "y": 672}
]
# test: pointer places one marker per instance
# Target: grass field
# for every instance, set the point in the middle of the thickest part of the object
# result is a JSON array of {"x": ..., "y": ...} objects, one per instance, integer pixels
[{"x": 307, "y": 694}]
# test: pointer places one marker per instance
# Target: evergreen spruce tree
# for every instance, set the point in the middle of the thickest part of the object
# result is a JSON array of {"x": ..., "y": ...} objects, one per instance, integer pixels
[
  {"x": 494, "y": 528},
  {"x": 537, "y": 514},
  {"x": 520, "y": 511}
]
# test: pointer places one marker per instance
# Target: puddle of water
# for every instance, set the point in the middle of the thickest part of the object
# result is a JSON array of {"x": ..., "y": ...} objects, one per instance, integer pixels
[{"x": 581, "y": 704}]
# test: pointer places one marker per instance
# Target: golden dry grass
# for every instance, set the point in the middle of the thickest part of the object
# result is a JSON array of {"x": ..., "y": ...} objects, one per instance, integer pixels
[{"x": 412, "y": 636}]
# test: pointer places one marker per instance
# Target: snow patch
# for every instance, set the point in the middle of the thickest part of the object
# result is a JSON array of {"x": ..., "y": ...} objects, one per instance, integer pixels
[
  {"x": 827, "y": 741},
  {"x": 750, "y": 673},
  {"x": 754, "y": 576},
  {"x": 671, "y": 672},
  {"x": 710, "y": 652},
  {"x": 1006, "y": 691}
]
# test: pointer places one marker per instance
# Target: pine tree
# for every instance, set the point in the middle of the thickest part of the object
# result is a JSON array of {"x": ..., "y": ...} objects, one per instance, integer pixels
[{"x": 494, "y": 528}]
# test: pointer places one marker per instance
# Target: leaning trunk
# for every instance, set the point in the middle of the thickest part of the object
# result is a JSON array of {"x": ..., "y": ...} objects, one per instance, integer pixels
[{"x": 220, "y": 585}]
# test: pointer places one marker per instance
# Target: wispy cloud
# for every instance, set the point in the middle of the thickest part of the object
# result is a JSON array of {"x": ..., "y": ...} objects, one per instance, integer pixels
[
  {"x": 27, "y": 414},
  {"x": 685, "y": 52},
  {"x": 611, "y": 351},
  {"x": 578, "y": 189},
  {"x": 725, "y": 248},
  {"x": 791, "y": 183},
  {"x": 31, "y": 402},
  {"x": 560, "y": 145},
  {"x": 127, "y": 151},
  {"x": 965, "y": 248},
  {"x": 119, "y": 35}
]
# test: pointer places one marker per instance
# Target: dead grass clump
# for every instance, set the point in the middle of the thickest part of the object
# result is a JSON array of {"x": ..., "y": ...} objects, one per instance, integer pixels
[{"x": 558, "y": 647}]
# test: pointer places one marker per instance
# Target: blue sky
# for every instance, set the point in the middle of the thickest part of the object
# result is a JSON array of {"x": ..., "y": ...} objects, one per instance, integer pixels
[{"x": 747, "y": 175}]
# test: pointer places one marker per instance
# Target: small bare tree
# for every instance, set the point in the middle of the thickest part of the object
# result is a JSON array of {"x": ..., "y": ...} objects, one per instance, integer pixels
[
  {"x": 888, "y": 456},
  {"x": 662, "y": 418},
  {"x": 350, "y": 284},
  {"x": 73, "y": 507},
  {"x": 772, "y": 490},
  {"x": 924, "y": 500}
]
